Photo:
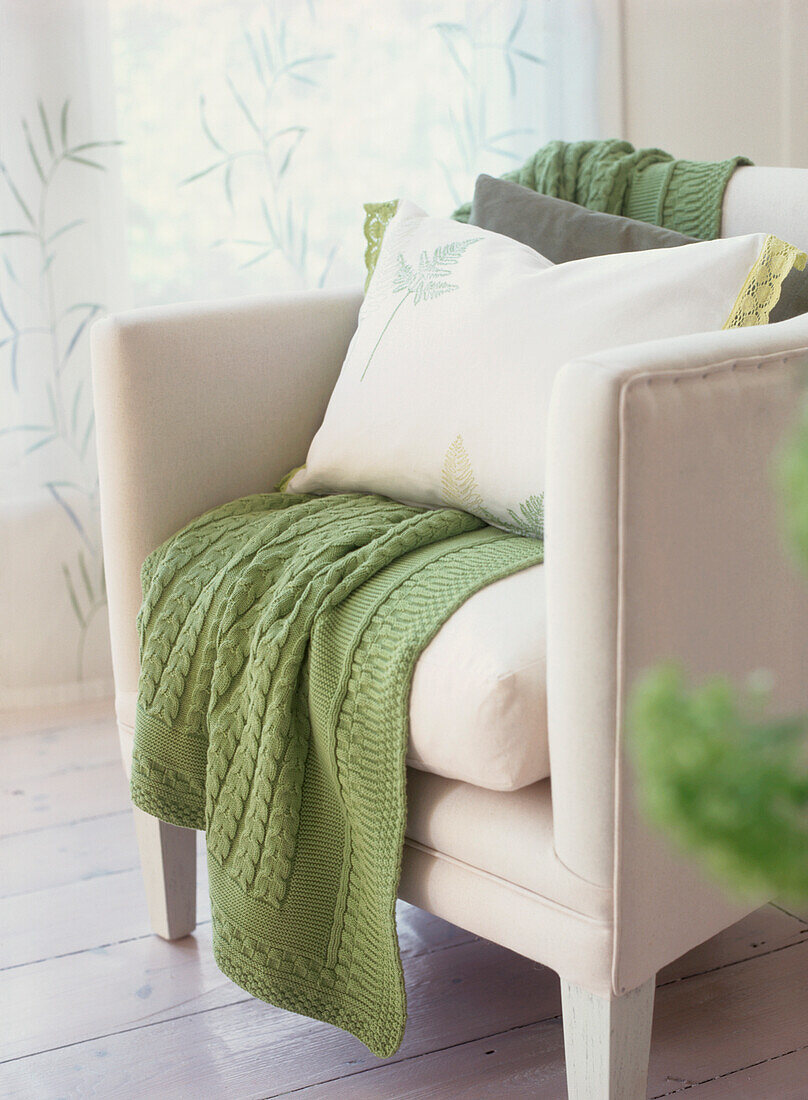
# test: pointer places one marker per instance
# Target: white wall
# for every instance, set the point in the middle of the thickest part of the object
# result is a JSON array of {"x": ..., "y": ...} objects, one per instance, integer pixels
[{"x": 706, "y": 79}]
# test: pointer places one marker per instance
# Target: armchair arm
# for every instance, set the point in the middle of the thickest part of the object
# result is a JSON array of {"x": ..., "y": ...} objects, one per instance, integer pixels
[
  {"x": 663, "y": 542},
  {"x": 197, "y": 405}
]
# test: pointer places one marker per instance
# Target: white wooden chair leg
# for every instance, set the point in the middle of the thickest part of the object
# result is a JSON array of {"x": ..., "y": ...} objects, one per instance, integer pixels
[
  {"x": 607, "y": 1041},
  {"x": 168, "y": 860}
]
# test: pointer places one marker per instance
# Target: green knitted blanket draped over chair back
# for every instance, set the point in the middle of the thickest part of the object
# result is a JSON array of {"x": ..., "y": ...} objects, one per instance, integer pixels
[
  {"x": 278, "y": 638},
  {"x": 615, "y": 178},
  {"x": 612, "y": 177}
]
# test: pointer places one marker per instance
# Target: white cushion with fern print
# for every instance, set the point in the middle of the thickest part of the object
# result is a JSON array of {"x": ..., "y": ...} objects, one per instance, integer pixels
[{"x": 444, "y": 393}]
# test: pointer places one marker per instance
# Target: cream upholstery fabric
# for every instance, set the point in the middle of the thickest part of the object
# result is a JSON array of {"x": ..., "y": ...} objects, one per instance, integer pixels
[
  {"x": 478, "y": 707},
  {"x": 195, "y": 406},
  {"x": 569, "y": 942},
  {"x": 502, "y": 879},
  {"x": 767, "y": 200},
  {"x": 512, "y": 840},
  {"x": 661, "y": 542}
]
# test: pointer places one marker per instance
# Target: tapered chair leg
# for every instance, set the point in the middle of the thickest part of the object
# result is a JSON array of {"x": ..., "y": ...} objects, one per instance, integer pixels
[
  {"x": 168, "y": 860},
  {"x": 607, "y": 1041}
]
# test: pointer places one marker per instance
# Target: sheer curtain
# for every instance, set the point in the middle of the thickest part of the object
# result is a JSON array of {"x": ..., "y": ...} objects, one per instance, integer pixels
[
  {"x": 61, "y": 266},
  {"x": 250, "y": 133}
]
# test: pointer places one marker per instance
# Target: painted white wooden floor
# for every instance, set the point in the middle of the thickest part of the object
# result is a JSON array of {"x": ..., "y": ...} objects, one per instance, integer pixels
[{"x": 92, "y": 1005}]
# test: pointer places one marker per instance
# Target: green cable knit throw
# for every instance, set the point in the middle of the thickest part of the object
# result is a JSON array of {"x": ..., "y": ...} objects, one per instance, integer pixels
[
  {"x": 615, "y": 178},
  {"x": 278, "y": 638}
]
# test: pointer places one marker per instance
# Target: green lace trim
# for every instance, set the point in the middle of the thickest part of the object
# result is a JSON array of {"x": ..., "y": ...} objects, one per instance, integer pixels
[
  {"x": 761, "y": 291},
  {"x": 378, "y": 216},
  {"x": 283, "y": 484}
]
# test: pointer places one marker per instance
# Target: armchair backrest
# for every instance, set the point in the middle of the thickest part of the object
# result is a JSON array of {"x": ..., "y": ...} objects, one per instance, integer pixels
[{"x": 767, "y": 200}]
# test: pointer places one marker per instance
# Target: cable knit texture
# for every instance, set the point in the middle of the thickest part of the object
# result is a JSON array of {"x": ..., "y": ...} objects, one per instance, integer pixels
[
  {"x": 611, "y": 176},
  {"x": 278, "y": 639},
  {"x": 615, "y": 178}
]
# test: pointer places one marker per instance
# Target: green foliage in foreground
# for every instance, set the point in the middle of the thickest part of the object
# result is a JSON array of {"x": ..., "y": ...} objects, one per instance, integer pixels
[{"x": 723, "y": 781}]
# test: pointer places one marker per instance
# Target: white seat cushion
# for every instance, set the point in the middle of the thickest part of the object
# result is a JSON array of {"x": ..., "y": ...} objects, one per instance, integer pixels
[{"x": 478, "y": 709}]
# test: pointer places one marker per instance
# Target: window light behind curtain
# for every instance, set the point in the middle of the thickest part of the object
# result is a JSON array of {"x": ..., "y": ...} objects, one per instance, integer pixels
[{"x": 251, "y": 134}]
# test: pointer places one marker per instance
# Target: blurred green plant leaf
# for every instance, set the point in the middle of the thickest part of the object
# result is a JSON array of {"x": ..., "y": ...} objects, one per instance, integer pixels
[
  {"x": 719, "y": 777},
  {"x": 723, "y": 782}
]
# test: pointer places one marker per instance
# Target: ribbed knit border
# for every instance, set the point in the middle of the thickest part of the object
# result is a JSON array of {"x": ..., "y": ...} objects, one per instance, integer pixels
[{"x": 683, "y": 195}]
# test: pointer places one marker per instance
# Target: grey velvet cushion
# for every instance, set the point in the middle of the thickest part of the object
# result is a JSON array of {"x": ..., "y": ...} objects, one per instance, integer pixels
[{"x": 564, "y": 231}]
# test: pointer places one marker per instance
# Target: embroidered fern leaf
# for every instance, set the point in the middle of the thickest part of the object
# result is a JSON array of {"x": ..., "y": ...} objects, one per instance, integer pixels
[
  {"x": 432, "y": 290},
  {"x": 429, "y": 279},
  {"x": 531, "y": 520},
  {"x": 405, "y": 276},
  {"x": 458, "y": 483},
  {"x": 423, "y": 284},
  {"x": 450, "y": 253},
  {"x": 460, "y": 490}
]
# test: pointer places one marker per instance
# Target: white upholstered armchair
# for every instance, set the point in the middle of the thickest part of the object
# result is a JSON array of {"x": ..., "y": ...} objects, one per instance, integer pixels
[{"x": 662, "y": 541}]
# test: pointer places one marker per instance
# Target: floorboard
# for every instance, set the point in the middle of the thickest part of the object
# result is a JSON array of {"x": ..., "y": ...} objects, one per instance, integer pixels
[
  {"x": 93, "y": 1005},
  {"x": 61, "y": 855},
  {"x": 80, "y": 916},
  {"x": 723, "y": 1017},
  {"x": 800, "y": 911},
  {"x": 36, "y": 756},
  {"x": 62, "y": 798},
  {"x": 459, "y": 993},
  {"x": 780, "y": 1078}
]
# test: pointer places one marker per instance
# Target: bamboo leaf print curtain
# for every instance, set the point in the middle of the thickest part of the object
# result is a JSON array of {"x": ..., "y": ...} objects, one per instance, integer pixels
[
  {"x": 165, "y": 150},
  {"x": 62, "y": 265}
]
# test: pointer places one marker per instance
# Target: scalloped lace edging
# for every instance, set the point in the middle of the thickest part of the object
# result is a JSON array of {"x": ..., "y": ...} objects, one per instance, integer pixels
[
  {"x": 377, "y": 217},
  {"x": 760, "y": 292}
]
